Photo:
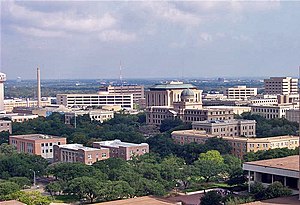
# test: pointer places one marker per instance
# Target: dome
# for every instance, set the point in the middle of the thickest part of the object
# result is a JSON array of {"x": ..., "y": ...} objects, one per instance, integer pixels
[{"x": 187, "y": 93}]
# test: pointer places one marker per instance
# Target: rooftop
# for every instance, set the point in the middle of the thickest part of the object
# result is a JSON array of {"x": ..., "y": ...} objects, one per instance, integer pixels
[
  {"x": 117, "y": 143},
  {"x": 287, "y": 163},
  {"x": 36, "y": 137},
  {"x": 222, "y": 121},
  {"x": 172, "y": 85},
  {"x": 291, "y": 200},
  {"x": 145, "y": 200},
  {"x": 77, "y": 147}
]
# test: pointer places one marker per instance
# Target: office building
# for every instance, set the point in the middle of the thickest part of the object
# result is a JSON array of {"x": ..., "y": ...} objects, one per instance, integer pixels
[
  {"x": 2, "y": 80},
  {"x": 37, "y": 144},
  {"x": 79, "y": 153},
  {"x": 293, "y": 115},
  {"x": 95, "y": 100},
  {"x": 124, "y": 150},
  {"x": 19, "y": 117},
  {"x": 5, "y": 126},
  {"x": 240, "y": 145},
  {"x": 222, "y": 128},
  {"x": 240, "y": 92},
  {"x": 97, "y": 115},
  {"x": 10, "y": 104},
  {"x": 272, "y": 111},
  {"x": 281, "y": 85},
  {"x": 284, "y": 170},
  {"x": 136, "y": 90}
]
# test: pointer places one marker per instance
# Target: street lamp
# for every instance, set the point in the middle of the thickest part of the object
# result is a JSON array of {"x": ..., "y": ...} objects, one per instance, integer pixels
[{"x": 34, "y": 180}]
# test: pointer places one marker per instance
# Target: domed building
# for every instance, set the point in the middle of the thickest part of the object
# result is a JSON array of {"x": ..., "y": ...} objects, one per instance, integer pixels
[{"x": 187, "y": 95}]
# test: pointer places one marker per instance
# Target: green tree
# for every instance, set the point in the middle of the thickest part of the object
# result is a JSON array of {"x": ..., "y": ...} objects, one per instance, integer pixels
[
  {"x": 31, "y": 198},
  {"x": 211, "y": 198},
  {"x": 7, "y": 188},
  {"x": 277, "y": 190},
  {"x": 23, "y": 182},
  {"x": 210, "y": 164},
  {"x": 168, "y": 124},
  {"x": 53, "y": 188},
  {"x": 7, "y": 149}
]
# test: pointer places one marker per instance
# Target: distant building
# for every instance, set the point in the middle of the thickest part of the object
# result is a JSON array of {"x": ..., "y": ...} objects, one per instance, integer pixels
[
  {"x": 240, "y": 92},
  {"x": 281, "y": 85},
  {"x": 222, "y": 128},
  {"x": 272, "y": 111},
  {"x": 284, "y": 170},
  {"x": 237, "y": 110},
  {"x": 240, "y": 145},
  {"x": 2, "y": 80},
  {"x": 97, "y": 115},
  {"x": 264, "y": 100},
  {"x": 5, "y": 126},
  {"x": 124, "y": 150},
  {"x": 19, "y": 117},
  {"x": 37, "y": 144},
  {"x": 79, "y": 153},
  {"x": 95, "y": 100},
  {"x": 10, "y": 104},
  {"x": 136, "y": 90}
]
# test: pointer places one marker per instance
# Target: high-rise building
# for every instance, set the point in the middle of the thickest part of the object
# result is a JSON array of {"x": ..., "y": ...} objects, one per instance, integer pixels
[
  {"x": 2, "y": 80},
  {"x": 136, "y": 90},
  {"x": 240, "y": 92},
  {"x": 281, "y": 85}
]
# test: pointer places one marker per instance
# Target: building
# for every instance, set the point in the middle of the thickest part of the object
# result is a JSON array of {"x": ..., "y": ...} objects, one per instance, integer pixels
[
  {"x": 143, "y": 200},
  {"x": 293, "y": 115},
  {"x": 240, "y": 145},
  {"x": 38, "y": 144},
  {"x": 281, "y": 85},
  {"x": 168, "y": 93},
  {"x": 95, "y": 100},
  {"x": 136, "y": 90},
  {"x": 222, "y": 128},
  {"x": 2, "y": 80},
  {"x": 10, "y": 104},
  {"x": 237, "y": 110},
  {"x": 240, "y": 92},
  {"x": 97, "y": 115},
  {"x": 79, "y": 153},
  {"x": 19, "y": 117},
  {"x": 5, "y": 126},
  {"x": 124, "y": 150},
  {"x": 272, "y": 111},
  {"x": 264, "y": 100},
  {"x": 284, "y": 170}
]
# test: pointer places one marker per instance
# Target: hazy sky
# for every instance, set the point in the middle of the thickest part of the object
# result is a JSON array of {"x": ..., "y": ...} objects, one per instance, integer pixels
[{"x": 152, "y": 39}]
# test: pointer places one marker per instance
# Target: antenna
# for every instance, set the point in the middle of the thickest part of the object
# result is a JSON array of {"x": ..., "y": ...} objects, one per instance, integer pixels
[{"x": 120, "y": 73}]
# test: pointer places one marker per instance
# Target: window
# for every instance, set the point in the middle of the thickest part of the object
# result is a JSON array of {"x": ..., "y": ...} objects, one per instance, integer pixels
[
  {"x": 50, "y": 144},
  {"x": 42, "y": 145},
  {"x": 89, "y": 156},
  {"x": 104, "y": 155},
  {"x": 58, "y": 143}
]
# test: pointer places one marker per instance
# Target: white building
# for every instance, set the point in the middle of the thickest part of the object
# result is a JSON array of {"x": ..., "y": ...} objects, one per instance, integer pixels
[
  {"x": 95, "y": 100},
  {"x": 10, "y": 104},
  {"x": 5, "y": 126},
  {"x": 97, "y": 115},
  {"x": 136, "y": 90},
  {"x": 281, "y": 85},
  {"x": 240, "y": 92},
  {"x": 272, "y": 111},
  {"x": 18, "y": 117}
]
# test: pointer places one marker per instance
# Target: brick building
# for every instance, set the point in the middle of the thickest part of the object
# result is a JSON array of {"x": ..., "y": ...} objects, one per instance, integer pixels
[
  {"x": 37, "y": 144},
  {"x": 125, "y": 150}
]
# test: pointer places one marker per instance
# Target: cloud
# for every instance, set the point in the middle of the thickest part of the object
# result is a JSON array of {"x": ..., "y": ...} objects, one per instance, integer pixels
[
  {"x": 115, "y": 35},
  {"x": 39, "y": 32}
]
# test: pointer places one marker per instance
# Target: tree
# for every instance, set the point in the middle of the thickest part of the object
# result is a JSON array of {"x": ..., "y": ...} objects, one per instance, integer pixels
[
  {"x": 53, "y": 188},
  {"x": 7, "y": 149},
  {"x": 218, "y": 144},
  {"x": 7, "y": 188},
  {"x": 233, "y": 166},
  {"x": 277, "y": 190},
  {"x": 211, "y": 198},
  {"x": 168, "y": 124},
  {"x": 23, "y": 182},
  {"x": 210, "y": 164},
  {"x": 31, "y": 198}
]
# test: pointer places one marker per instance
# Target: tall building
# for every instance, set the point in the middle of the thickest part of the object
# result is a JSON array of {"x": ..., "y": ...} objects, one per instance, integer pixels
[
  {"x": 240, "y": 92},
  {"x": 136, "y": 90},
  {"x": 95, "y": 100},
  {"x": 124, "y": 150},
  {"x": 281, "y": 85},
  {"x": 2, "y": 80},
  {"x": 37, "y": 144},
  {"x": 79, "y": 153}
]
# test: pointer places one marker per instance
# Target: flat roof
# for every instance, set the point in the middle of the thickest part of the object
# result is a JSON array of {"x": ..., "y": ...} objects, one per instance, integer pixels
[
  {"x": 37, "y": 137},
  {"x": 172, "y": 85},
  {"x": 287, "y": 163},
  {"x": 118, "y": 143},
  {"x": 221, "y": 121},
  {"x": 145, "y": 200},
  {"x": 78, "y": 146},
  {"x": 290, "y": 200}
]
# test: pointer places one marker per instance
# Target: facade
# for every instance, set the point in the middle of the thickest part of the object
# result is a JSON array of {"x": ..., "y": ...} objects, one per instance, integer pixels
[
  {"x": 273, "y": 111},
  {"x": 79, "y": 153},
  {"x": 281, "y": 85},
  {"x": 19, "y": 117},
  {"x": 2, "y": 80},
  {"x": 10, "y": 104},
  {"x": 124, "y": 150},
  {"x": 240, "y": 145},
  {"x": 5, "y": 126},
  {"x": 240, "y": 92},
  {"x": 293, "y": 115},
  {"x": 97, "y": 115},
  {"x": 136, "y": 90},
  {"x": 284, "y": 170},
  {"x": 96, "y": 100},
  {"x": 264, "y": 101},
  {"x": 237, "y": 110},
  {"x": 37, "y": 144},
  {"x": 226, "y": 128},
  {"x": 167, "y": 94}
]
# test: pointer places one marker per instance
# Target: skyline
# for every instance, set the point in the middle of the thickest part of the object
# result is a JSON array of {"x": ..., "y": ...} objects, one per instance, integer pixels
[{"x": 87, "y": 40}]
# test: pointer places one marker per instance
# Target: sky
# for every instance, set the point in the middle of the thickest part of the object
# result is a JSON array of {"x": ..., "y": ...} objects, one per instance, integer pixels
[{"x": 158, "y": 39}]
